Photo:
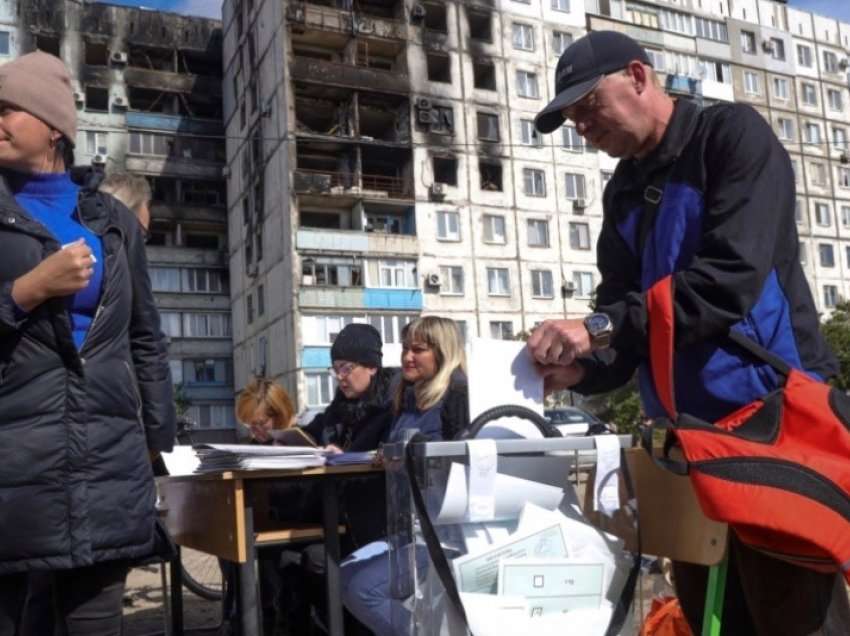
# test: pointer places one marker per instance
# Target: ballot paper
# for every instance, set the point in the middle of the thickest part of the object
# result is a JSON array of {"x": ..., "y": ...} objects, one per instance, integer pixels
[
  {"x": 222, "y": 457},
  {"x": 480, "y": 536},
  {"x": 483, "y": 462},
  {"x": 606, "y": 486},
  {"x": 510, "y": 495},
  {"x": 552, "y": 586},
  {"x": 182, "y": 460},
  {"x": 478, "y": 573},
  {"x": 490, "y": 615}
]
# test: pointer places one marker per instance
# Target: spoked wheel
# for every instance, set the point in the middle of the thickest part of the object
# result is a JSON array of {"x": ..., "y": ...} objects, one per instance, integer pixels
[{"x": 202, "y": 575}]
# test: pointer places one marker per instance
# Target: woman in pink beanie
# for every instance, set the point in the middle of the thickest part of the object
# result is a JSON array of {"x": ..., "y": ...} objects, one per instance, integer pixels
[{"x": 85, "y": 392}]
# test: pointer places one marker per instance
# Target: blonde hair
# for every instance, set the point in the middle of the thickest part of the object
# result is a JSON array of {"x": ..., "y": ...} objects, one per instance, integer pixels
[
  {"x": 443, "y": 337},
  {"x": 132, "y": 190},
  {"x": 269, "y": 394}
]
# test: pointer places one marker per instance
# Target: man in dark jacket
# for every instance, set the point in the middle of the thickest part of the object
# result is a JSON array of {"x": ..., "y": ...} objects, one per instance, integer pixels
[{"x": 721, "y": 188}]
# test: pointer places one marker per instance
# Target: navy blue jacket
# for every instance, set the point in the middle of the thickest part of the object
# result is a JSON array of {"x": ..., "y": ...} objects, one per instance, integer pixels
[{"x": 726, "y": 231}]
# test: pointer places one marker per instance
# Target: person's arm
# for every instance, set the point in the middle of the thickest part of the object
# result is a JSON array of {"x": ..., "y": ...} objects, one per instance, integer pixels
[
  {"x": 148, "y": 347},
  {"x": 454, "y": 414},
  {"x": 749, "y": 189}
]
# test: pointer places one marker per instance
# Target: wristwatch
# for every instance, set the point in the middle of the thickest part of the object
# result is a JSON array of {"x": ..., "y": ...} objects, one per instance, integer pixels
[{"x": 600, "y": 327}]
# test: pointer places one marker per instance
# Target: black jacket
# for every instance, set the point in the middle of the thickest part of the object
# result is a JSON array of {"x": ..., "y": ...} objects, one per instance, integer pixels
[{"x": 76, "y": 486}]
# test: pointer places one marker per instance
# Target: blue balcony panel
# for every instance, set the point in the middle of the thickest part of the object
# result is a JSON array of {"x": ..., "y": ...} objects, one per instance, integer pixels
[
  {"x": 392, "y": 299},
  {"x": 315, "y": 357},
  {"x": 173, "y": 123}
]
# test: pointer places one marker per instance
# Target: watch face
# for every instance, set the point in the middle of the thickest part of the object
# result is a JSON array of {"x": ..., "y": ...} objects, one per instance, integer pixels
[{"x": 597, "y": 323}]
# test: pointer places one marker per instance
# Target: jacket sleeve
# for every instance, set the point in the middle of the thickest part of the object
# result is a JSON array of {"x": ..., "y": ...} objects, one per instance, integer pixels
[
  {"x": 454, "y": 414},
  {"x": 606, "y": 370},
  {"x": 148, "y": 346},
  {"x": 749, "y": 186},
  {"x": 11, "y": 316}
]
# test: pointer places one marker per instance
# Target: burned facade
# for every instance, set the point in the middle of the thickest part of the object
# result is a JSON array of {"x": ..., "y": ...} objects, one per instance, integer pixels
[{"x": 148, "y": 87}]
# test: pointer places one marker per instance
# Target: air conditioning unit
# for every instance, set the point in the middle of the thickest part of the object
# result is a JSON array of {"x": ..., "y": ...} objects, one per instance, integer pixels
[
  {"x": 767, "y": 46},
  {"x": 843, "y": 64},
  {"x": 364, "y": 25},
  {"x": 844, "y": 158},
  {"x": 417, "y": 12},
  {"x": 119, "y": 57},
  {"x": 295, "y": 12},
  {"x": 423, "y": 103},
  {"x": 433, "y": 279},
  {"x": 579, "y": 204},
  {"x": 568, "y": 288},
  {"x": 437, "y": 190},
  {"x": 99, "y": 160},
  {"x": 425, "y": 116},
  {"x": 119, "y": 102}
]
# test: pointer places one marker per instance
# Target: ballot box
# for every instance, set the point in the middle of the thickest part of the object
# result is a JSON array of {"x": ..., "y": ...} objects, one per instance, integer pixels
[{"x": 506, "y": 536}]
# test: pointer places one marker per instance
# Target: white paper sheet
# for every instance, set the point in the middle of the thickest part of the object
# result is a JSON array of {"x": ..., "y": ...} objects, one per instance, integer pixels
[
  {"x": 181, "y": 461},
  {"x": 483, "y": 461},
  {"x": 512, "y": 493},
  {"x": 606, "y": 487}
]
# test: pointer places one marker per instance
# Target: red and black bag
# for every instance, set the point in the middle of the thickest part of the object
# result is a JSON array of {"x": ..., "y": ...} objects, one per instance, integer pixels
[{"x": 777, "y": 470}]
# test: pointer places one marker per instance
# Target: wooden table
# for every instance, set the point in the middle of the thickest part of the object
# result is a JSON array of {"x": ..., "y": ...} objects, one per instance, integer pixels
[{"x": 225, "y": 514}]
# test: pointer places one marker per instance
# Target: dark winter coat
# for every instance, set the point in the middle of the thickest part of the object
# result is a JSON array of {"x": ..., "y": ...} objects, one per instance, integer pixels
[{"x": 76, "y": 486}]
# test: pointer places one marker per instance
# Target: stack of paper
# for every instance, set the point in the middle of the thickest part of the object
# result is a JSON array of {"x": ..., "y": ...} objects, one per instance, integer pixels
[{"x": 221, "y": 457}]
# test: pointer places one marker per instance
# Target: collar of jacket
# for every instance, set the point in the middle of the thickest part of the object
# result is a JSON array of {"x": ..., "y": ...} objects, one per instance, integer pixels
[{"x": 679, "y": 131}]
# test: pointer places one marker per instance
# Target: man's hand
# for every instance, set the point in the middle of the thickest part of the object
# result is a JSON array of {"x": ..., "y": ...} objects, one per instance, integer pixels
[
  {"x": 559, "y": 342},
  {"x": 557, "y": 377}
]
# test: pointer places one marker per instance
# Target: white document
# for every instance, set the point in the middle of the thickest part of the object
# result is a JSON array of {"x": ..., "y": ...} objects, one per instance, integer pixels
[
  {"x": 606, "y": 487},
  {"x": 491, "y": 615},
  {"x": 502, "y": 372},
  {"x": 479, "y": 536},
  {"x": 511, "y": 494},
  {"x": 483, "y": 461},
  {"x": 479, "y": 573},
  {"x": 552, "y": 586},
  {"x": 182, "y": 460}
]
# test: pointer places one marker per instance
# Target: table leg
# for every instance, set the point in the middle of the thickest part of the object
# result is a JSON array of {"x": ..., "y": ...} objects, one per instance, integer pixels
[
  {"x": 247, "y": 605},
  {"x": 176, "y": 594},
  {"x": 330, "y": 519}
]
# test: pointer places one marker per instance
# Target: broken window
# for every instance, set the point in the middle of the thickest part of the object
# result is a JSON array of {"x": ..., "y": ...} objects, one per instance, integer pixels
[
  {"x": 491, "y": 175},
  {"x": 480, "y": 25},
  {"x": 442, "y": 120},
  {"x": 323, "y": 220},
  {"x": 97, "y": 53},
  {"x": 439, "y": 67},
  {"x": 202, "y": 241},
  {"x": 97, "y": 99},
  {"x": 445, "y": 170},
  {"x": 435, "y": 17},
  {"x": 488, "y": 127},
  {"x": 48, "y": 44},
  {"x": 197, "y": 192},
  {"x": 484, "y": 74}
]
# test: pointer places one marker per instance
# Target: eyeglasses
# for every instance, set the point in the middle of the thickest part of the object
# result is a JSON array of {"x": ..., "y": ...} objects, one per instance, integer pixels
[
  {"x": 587, "y": 105},
  {"x": 343, "y": 370}
]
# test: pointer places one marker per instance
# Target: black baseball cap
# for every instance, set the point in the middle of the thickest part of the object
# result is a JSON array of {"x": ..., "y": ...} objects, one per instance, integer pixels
[{"x": 582, "y": 66}]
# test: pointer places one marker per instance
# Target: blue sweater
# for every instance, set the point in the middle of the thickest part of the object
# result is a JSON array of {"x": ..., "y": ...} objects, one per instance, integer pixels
[{"x": 51, "y": 199}]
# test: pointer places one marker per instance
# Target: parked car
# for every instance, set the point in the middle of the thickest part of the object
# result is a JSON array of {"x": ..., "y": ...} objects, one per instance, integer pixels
[{"x": 572, "y": 420}]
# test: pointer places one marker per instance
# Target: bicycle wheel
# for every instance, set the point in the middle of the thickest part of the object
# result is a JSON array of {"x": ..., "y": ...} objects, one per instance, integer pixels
[{"x": 202, "y": 575}]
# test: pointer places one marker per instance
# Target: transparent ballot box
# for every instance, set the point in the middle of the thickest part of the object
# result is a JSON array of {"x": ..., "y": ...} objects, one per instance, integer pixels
[{"x": 500, "y": 536}]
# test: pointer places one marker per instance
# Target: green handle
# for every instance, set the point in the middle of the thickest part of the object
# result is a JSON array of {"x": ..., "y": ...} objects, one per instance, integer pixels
[{"x": 714, "y": 593}]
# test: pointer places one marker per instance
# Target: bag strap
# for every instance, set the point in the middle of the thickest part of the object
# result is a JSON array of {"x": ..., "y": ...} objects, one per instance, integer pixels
[{"x": 760, "y": 353}]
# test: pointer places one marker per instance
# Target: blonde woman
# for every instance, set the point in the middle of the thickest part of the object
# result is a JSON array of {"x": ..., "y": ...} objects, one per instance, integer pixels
[
  {"x": 432, "y": 399},
  {"x": 264, "y": 406}
]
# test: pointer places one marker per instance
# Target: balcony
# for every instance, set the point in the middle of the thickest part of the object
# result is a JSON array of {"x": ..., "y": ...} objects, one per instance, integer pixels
[
  {"x": 359, "y": 298},
  {"x": 174, "y": 123},
  {"x": 312, "y": 17},
  {"x": 345, "y": 183},
  {"x": 357, "y": 241},
  {"x": 313, "y": 70}
]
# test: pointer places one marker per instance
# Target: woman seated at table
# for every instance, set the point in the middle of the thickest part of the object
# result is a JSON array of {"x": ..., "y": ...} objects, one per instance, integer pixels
[
  {"x": 264, "y": 406},
  {"x": 432, "y": 399}
]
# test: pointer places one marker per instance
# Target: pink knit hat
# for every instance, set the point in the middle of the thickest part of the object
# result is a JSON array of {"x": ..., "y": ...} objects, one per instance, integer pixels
[{"x": 40, "y": 84}]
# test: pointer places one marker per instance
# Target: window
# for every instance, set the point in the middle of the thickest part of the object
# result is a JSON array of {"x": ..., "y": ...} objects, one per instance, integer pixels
[
  {"x": 572, "y": 140},
  {"x": 501, "y": 330},
  {"x": 451, "y": 277},
  {"x": 847, "y": 255},
  {"x": 484, "y": 75},
  {"x": 96, "y": 143},
  {"x": 822, "y": 216},
  {"x": 528, "y": 133},
  {"x": 574, "y": 184},
  {"x": 445, "y": 170},
  {"x": 494, "y": 229},
  {"x": 206, "y": 371},
  {"x": 811, "y": 133},
  {"x": 498, "y": 281},
  {"x": 331, "y": 272},
  {"x": 642, "y": 15},
  {"x": 786, "y": 128},
  {"x": 777, "y": 49},
  {"x": 534, "y": 182},
  {"x": 751, "y": 83},
  {"x": 435, "y": 17},
  {"x": 804, "y": 55},
  {"x": 439, "y": 68},
  {"x": 538, "y": 233},
  {"x": 583, "y": 282},
  {"x": 151, "y": 144},
  {"x": 448, "y": 226},
  {"x": 560, "y": 42},
  {"x": 97, "y": 99},
  {"x": 561, "y": 5},
  {"x": 676, "y": 21},
  {"x": 830, "y": 296},
  {"x": 170, "y": 323},
  {"x": 780, "y": 88},
  {"x": 579, "y": 236},
  {"x": 443, "y": 121},
  {"x": 488, "y": 127},
  {"x": 834, "y": 99},
  {"x": 843, "y": 177},
  {"x": 818, "y": 174},
  {"x": 845, "y": 215},
  {"x": 261, "y": 300},
  {"x": 839, "y": 138},
  {"x": 810, "y": 96},
  {"x": 711, "y": 30},
  {"x": 205, "y": 281},
  {"x": 490, "y": 173},
  {"x": 523, "y": 36},
  {"x": 394, "y": 274},
  {"x": 165, "y": 279},
  {"x": 830, "y": 62},
  {"x": 826, "y": 255},
  {"x": 320, "y": 388},
  {"x": 206, "y": 325},
  {"x": 526, "y": 84},
  {"x": 480, "y": 26},
  {"x": 4, "y": 43},
  {"x": 541, "y": 284},
  {"x": 748, "y": 42},
  {"x": 249, "y": 307},
  {"x": 715, "y": 71},
  {"x": 212, "y": 415},
  {"x": 803, "y": 255}
]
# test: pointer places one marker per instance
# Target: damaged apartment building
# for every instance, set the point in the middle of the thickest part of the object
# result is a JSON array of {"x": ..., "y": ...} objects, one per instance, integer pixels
[
  {"x": 382, "y": 165},
  {"x": 148, "y": 87}
]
